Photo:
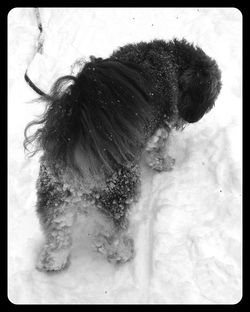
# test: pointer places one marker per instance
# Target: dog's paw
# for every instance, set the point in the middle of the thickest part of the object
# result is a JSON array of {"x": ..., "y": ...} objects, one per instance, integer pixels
[
  {"x": 122, "y": 250},
  {"x": 55, "y": 260},
  {"x": 160, "y": 164},
  {"x": 117, "y": 250},
  {"x": 168, "y": 163}
]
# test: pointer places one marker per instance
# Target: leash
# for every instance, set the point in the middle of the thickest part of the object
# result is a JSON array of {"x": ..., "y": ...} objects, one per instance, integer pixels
[
  {"x": 39, "y": 50},
  {"x": 32, "y": 85}
]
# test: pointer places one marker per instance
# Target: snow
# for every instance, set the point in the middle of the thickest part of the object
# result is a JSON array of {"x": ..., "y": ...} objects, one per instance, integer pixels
[{"x": 187, "y": 224}]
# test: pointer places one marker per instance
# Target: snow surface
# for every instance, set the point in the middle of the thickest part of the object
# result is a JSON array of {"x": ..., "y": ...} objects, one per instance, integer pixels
[{"x": 187, "y": 225}]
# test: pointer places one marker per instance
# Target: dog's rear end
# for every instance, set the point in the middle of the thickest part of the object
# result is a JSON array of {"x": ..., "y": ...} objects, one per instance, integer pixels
[{"x": 96, "y": 127}]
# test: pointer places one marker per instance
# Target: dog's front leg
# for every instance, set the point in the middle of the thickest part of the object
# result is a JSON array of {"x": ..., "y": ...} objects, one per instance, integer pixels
[{"x": 155, "y": 152}]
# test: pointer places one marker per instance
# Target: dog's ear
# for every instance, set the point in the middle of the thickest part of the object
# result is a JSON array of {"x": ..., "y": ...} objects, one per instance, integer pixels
[{"x": 199, "y": 87}]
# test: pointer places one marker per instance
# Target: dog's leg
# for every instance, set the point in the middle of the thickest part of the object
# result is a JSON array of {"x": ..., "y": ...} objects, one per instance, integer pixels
[
  {"x": 115, "y": 203},
  {"x": 118, "y": 248},
  {"x": 155, "y": 153},
  {"x": 57, "y": 215},
  {"x": 56, "y": 251}
]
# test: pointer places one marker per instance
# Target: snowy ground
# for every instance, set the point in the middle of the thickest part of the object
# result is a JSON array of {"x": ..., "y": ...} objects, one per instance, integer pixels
[{"x": 188, "y": 223}]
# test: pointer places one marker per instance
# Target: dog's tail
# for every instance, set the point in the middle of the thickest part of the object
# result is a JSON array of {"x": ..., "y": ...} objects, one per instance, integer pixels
[{"x": 106, "y": 113}]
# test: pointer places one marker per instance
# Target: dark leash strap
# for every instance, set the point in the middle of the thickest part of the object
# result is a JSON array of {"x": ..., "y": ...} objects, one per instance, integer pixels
[{"x": 33, "y": 86}]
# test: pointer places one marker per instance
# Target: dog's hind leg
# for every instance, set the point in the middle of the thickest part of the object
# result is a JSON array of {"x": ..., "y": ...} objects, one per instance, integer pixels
[
  {"x": 155, "y": 152},
  {"x": 56, "y": 251},
  {"x": 115, "y": 203},
  {"x": 118, "y": 248},
  {"x": 57, "y": 216}
]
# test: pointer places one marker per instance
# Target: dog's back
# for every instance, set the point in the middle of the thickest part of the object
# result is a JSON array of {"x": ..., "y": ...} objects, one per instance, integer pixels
[{"x": 113, "y": 106}]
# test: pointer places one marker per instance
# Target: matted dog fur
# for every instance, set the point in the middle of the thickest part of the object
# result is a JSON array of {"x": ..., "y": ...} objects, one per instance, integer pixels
[{"x": 97, "y": 126}]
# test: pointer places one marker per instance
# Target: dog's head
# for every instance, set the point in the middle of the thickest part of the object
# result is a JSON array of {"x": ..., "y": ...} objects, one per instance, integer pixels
[{"x": 199, "y": 81}]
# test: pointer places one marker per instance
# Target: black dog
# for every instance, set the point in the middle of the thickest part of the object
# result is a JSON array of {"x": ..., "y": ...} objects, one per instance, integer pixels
[{"x": 99, "y": 124}]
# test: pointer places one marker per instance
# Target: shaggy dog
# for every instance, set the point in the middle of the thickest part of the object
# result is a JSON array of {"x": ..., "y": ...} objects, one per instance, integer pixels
[{"x": 97, "y": 127}]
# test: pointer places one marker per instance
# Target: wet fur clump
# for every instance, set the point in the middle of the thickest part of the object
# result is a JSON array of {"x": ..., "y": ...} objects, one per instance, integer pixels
[{"x": 99, "y": 124}]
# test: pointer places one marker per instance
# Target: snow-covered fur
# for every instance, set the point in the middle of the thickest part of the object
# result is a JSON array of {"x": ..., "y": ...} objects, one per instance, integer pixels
[{"x": 98, "y": 125}]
